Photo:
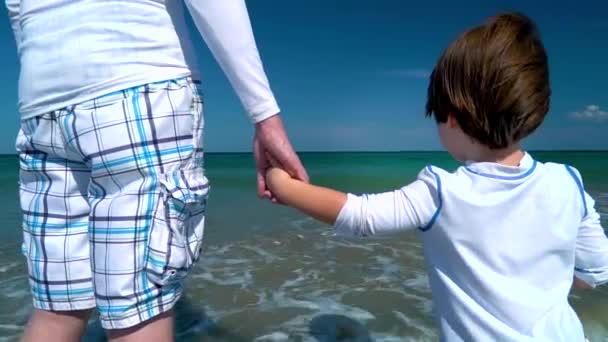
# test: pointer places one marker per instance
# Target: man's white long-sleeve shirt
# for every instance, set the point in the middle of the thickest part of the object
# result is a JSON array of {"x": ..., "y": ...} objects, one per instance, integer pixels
[{"x": 72, "y": 51}]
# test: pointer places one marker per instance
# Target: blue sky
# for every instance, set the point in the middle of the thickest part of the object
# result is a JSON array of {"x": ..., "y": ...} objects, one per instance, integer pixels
[{"x": 352, "y": 74}]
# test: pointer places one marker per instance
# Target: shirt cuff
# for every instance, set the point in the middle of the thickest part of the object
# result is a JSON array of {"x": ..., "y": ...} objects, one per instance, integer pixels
[
  {"x": 347, "y": 222},
  {"x": 263, "y": 111}
]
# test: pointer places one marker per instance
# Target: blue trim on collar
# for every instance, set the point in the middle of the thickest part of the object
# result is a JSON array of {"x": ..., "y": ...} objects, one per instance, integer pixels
[{"x": 501, "y": 177}]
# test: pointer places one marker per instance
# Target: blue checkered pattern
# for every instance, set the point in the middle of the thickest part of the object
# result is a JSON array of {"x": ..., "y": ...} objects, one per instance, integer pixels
[{"x": 113, "y": 195}]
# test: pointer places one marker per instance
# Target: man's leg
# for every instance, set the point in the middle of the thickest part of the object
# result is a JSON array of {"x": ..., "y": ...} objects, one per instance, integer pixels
[
  {"x": 159, "y": 328},
  {"x": 56, "y": 326},
  {"x": 55, "y": 211}
]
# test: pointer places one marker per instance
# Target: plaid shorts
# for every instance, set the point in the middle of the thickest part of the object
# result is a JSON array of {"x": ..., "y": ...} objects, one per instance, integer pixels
[{"x": 113, "y": 196}]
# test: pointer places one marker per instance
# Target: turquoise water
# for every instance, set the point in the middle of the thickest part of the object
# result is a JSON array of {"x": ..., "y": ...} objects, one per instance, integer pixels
[{"x": 271, "y": 274}]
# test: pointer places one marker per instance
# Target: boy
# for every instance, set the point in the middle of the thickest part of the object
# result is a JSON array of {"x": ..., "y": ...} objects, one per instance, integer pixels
[{"x": 503, "y": 235}]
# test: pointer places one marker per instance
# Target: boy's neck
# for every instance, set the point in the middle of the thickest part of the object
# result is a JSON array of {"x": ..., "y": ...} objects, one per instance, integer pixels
[{"x": 510, "y": 156}]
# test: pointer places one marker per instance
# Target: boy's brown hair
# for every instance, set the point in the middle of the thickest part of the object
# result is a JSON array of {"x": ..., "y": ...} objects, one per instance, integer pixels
[{"x": 494, "y": 80}]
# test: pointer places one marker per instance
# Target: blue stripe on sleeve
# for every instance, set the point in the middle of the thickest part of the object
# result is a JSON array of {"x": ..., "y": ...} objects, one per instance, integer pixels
[
  {"x": 440, "y": 200},
  {"x": 579, "y": 183}
]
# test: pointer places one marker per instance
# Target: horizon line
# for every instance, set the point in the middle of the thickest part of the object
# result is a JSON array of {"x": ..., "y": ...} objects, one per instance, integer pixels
[{"x": 380, "y": 151}]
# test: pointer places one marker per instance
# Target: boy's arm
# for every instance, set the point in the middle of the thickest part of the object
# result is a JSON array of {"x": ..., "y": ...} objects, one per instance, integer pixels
[
  {"x": 320, "y": 203},
  {"x": 591, "y": 256},
  {"x": 402, "y": 209}
]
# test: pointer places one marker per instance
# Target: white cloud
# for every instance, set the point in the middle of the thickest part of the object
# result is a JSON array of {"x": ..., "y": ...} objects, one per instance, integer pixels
[
  {"x": 409, "y": 73},
  {"x": 591, "y": 113}
]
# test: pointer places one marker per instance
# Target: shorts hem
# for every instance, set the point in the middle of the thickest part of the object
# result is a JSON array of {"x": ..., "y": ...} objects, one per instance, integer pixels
[
  {"x": 62, "y": 307},
  {"x": 111, "y": 323}
]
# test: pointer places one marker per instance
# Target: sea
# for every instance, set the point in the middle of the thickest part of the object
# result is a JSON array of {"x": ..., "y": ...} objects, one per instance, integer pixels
[{"x": 268, "y": 273}]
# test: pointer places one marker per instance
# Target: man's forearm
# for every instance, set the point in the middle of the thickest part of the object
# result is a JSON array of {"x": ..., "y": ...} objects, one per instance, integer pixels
[{"x": 13, "y": 14}]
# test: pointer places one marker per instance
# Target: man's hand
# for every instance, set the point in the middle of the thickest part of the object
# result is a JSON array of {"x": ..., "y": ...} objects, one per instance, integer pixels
[{"x": 271, "y": 141}]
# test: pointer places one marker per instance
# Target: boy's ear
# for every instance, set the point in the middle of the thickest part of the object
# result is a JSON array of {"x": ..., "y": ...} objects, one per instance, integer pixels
[{"x": 452, "y": 123}]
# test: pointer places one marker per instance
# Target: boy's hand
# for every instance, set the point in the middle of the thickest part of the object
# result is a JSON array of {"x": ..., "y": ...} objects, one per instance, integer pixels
[
  {"x": 275, "y": 177},
  {"x": 321, "y": 203}
]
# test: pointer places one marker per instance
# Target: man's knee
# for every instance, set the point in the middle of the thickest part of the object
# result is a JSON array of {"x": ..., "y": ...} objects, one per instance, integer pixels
[
  {"x": 58, "y": 325},
  {"x": 159, "y": 328},
  {"x": 63, "y": 316}
]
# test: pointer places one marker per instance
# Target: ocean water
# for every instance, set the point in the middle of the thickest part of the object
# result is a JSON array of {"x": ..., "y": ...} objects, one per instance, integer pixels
[{"x": 270, "y": 274}]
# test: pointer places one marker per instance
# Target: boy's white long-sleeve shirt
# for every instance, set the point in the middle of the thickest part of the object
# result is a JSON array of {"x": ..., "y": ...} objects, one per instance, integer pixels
[
  {"x": 73, "y": 51},
  {"x": 502, "y": 245}
]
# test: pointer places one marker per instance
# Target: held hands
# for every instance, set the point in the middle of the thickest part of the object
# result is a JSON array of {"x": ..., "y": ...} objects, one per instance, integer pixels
[
  {"x": 277, "y": 179},
  {"x": 323, "y": 204},
  {"x": 271, "y": 147}
]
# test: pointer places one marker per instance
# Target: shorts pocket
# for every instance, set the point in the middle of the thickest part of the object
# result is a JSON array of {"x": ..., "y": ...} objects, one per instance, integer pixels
[{"x": 176, "y": 233}]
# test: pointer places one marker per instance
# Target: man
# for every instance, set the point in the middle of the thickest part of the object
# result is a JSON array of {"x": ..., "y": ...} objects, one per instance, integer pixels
[{"x": 111, "y": 184}]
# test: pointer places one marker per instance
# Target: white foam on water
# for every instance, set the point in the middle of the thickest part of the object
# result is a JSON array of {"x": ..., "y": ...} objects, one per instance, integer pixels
[
  {"x": 299, "y": 324},
  {"x": 11, "y": 327},
  {"x": 14, "y": 279},
  {"x": 243, "y": 278},
  {"x": 391, "y": 271},
  {"x": 328, "y": 233},
  {"x": 21, "y": 293},
  {"x": 390, "y": 339},
  {"x": 313, "y": 286},
  {"x": 268, "y": 257},
  {"x": 309, "y": 290},
  {"x": 347, "y": 243},
  {"x": 410, "y": 250},
  {"x": 8, "y": 267},
  {"x": 420, "y": 281},
  {"x": 390, "y": 265},
  {"x": 15, "y": 287},
  {"x": 314, "y": 303},
  {"x": 10, "y": 338},
  {"x": 302, "y": 221},
  {"x": 235, "y": 261},
  {"x": 273, "y": 337},
  {"x": 224, "y": 249},
  {"x": 10, "y": 332},
  {"x": 412, "y": 322},
  {"x": 295, "y": 282},
  {"x": 310, "y": 276},
  {"x": 279, "y": 299},
  {"x": 330, "y": 306}
]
